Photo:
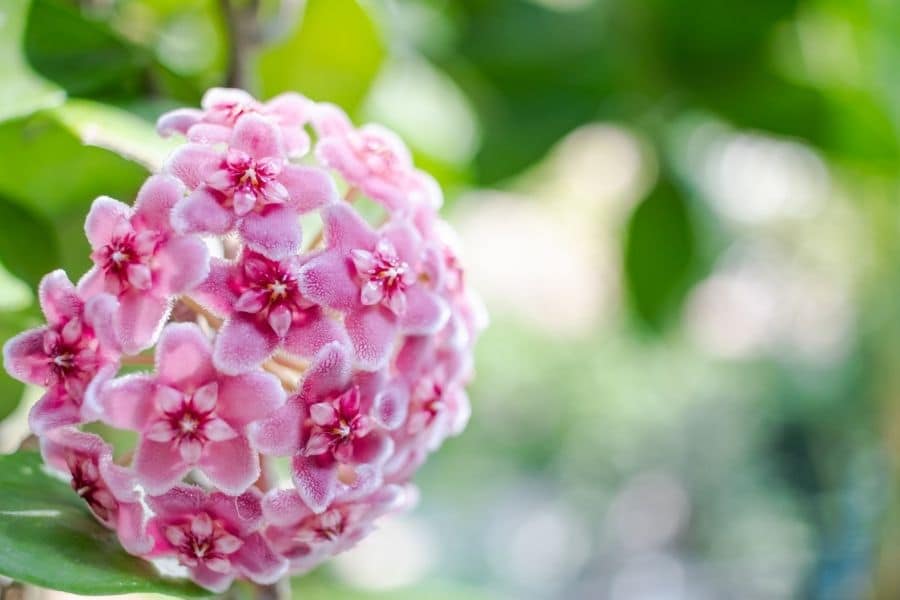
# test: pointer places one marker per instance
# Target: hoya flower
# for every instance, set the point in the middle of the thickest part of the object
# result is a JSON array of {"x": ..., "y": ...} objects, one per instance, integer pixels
[
  {"x": 373, "y": 159},
  {"x": 108, "y": 489},
  {"x": 374, "y": 278},
  {"x": 264, "y": 311},
  {"x": 307, "y": 538},
  {"x": 248, "y": 187},
  {"x": 66, "y": 355},
  {"x": 190, "y": 415},
  {"x": 328, "y": 428},
  {"x": 215, "y": 535},
  {"x": 221, "y": 109},
  {"x": 140, "y": 260}
]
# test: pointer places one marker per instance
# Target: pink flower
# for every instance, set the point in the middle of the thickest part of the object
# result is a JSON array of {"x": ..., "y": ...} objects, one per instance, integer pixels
[
  {"x": 140, "y": 260},
  {"x": 223, "y": 107},
  {"x": 189, "y": 415},
  {"x": 328, "y": 428},
  {"x": 373, "y": 279},
  {"x": 249, "y": 187},
  {"x": 108, "y": 489},
  {"x": 264, "y": 311},
  {"x": 306, "y": 538},
  {"x": 214, "y": 535},
  {"x": 66, "y": 355},
  {"x": 373, "y": 159}
]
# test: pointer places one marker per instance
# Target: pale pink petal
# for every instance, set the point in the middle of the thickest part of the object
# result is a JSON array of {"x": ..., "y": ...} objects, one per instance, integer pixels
[
  {"x": 284, "y": 508},
  {"x": 345, "y": 229},
  {"x": 209, "y": 133},
  {"x": 279, "y": 434},
  {"x": 222, "y": 96},
  {"x": 128, "y": 402},
  {"x": 212, "y": 580},
  {"x": 374, "y": 449},
  {"x": 329, "y": 119},
  {"x": 218, "y": 430},
  {"x": 291, "y": 108},
  {"x": 391, "y": 405},
  {"x": 131, "y": 531},
  {"x": 373, "y": 332},
  {"x": 183, "y": 356},
  {"x": 99, "y": 312},
  {"x": 193, "y": 163},
  {"x": 337, "y": 153},
  {"x": 231, "y": 465},
  {"x": 249, "y": 397},
  {"x": 92, "y": 282},
  {"x": 242, "y": 345},
  {"x": 155, "y": 201},
  {"x": 159, "y": 466},
  {"x": 296, "y": 140},
  {"x": 182, "y": 263},
  {"x": 316, "y": 481},
  {"x": 58, "y": 297},
  {"x": 201, "y": 212},
  {"x": 425, "y": 313},
  {"x": 215, "y": 293},
  {"x": 275, "y": 232},
  {"x": 177, "y": 121},
  {"x": 51, "y": 411},
  {"x": 257, "y": 136},
  {"x": 139, "y": 276},
  {"x": 328, "y": 279},
  {"x": 106, "y": 217},
  {"x": 305, "y": 338},
  {"x": 406, "y": 241},
  {"x": 139, "y": 320},
  {"x": 309, "y": 188},
  {"x": 24, "y": 358},
  {"x": 329, "y": 373},
  {"x": 256, "y": 560},
  {"x": 180, "y": 500}
]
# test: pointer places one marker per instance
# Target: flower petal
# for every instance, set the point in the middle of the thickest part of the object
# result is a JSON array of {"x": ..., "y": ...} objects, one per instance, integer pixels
[
  {"x": 183, "y": 356},
  {"x": 155, "y": 201},
  {"x": 257, "y": 136},
  {"x": 373, "y": 332},
  {"x": 201, "y": 212},
  {"x": 231, "y": 465},
  {"x": 242, "y": 345},
  {"x": 53, "y": 410},
  {"x": 305, "y": 338},
  {"x": 181, "y": 263},
  {"x": 316, "y": 481},
  {"x": 309, "y": 188},
  {"x": 345, "y": 228},
  {"x": 249, "y": 397},
  {"x": 139, "y": 320},
  {"x": 275, "y": 232},
  {"x": 328, "y": 279},
  {"x": 24, "y": 357},
  {"x": 106, "y": 217},
  {"x": 128, "y": 402},
  {"x": 58, "y": 297},
  {"x": 279, "y": 434},
  {"x": 256, "y": 560},
  {"x": 329, "y": 373},
  {"x": 214, "y": 292},
  {"x": 193, "y": 163},
  {"x": 159, "y": 466},
  {"x": 425, "y": 313},
  {"x": 177, "y": 121}
]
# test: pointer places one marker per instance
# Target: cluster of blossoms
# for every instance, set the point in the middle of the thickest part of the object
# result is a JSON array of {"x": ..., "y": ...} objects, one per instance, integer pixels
[{"x": 346, "y": 353}]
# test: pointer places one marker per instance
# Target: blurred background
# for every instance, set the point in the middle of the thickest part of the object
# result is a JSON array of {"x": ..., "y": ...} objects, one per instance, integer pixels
[{"x": 683, "y": 216}]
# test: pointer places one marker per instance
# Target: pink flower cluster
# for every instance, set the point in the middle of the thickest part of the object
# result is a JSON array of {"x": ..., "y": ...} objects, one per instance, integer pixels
[{"x": 346, "y": 352}]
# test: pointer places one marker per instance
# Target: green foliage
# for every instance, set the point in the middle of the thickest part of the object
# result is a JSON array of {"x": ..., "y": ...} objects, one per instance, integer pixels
[
  {"x": 334, "y": 55},
  {"x": 49, "y": 538}
]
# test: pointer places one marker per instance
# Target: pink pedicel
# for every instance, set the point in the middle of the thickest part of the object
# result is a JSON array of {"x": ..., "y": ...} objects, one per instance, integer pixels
[{"x": 261, "y": 315}]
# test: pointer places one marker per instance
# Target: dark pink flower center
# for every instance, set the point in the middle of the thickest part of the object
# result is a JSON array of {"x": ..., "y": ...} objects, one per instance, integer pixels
[
  {"x": 385, "y": 276},
  {"x": 189, "y": 421},
  {"x": 70, "y": 350},
  {"x": 336, "y": 424},
  {"x": 126, "y": 259},
  {"x": 87, "y": 483},
  {"x": 324, "y": 528},
  {"x": 427, "y": 403},
  {"x": 248, "y": 183},
  {"x": 269, "y": 290},
  {"x": 228, "y": 113},
  {"x": 203, "y": 540}
]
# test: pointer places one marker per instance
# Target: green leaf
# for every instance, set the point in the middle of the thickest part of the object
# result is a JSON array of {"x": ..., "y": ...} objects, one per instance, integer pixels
[
  {"x": 49, "y": 538},
  {"x": 20, "y": 228},
  {"x": 660, "y": 253},
  {"x": 22, "y": 91},
  {"x": 11, "y": 391},
  {"x": 334, "y": 55}
]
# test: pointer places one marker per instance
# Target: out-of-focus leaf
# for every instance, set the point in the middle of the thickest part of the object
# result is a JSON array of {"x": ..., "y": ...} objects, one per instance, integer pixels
[
  {"x": 334, "y": 55},
  {"x": 22, "y": 91},
  {"x": 49, "y": 538},
  {"x": 660, "y": 252},
  {"x": 117, "y": 130},
  {"x": 83, "y": 55},
  {"x": 48, "y": 170},
  {"x": 19, "y": 251}
]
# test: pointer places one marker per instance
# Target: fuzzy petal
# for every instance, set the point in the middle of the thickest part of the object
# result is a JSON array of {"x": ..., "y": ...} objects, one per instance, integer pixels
[
  {"x": 193, "y": 163},
  {"x": 275, "y": 232},
  {"x": 256, "y": 560},
  {"x": 58, "y": 297},
  {"x": 139, "y": 320},
  {"x": 249, "y": 397},
  {"x": 155, "y": 201},
  {"x": 279, "y": 434},
  {"x": 106, "y": 217},
  {"x": 183, "y": 357},
  {"x": 316, "y": 481},
  {"x": 128, "y": 402},
  {"x": 177, "y": 121},
  {"x": 345, "y": 228},
  {"x": 232, "y": 465},
  {"x": 214, "y": 292},
  {"x": 373, "y": 332},
  {"x": 328, "y": 279},
  {"x": 242, "y": 345},
  {"x": 131, "y": 531},
  {"x": 51, "y": 411},
  {"x": 306, "y": 338},
  {"x": 309, "y": 188},
  {"x": 201, "y": 213},
  {"x": 159, "y": 466},
  {"x": 329, "y": 373},
  {"x": 257, "y": 136},
  {"x": 24, "y": 358},
  {"x": 425, "y": 313},
  {"x": 284, "y": 508},
  {"x": 182, "y": 263},
  {"x": 391, "y": 406}
]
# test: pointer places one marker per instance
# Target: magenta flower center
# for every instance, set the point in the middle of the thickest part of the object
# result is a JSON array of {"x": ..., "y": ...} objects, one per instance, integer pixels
[
  {"x": 249, "y": 183},
  {"x": 90, "y": 487},
  {"x": 189, "y": 421},
  {"x": 385, "y": 276},
  {"x": 377, "y": 155},
  {"x": 269, "y": 290},
  {"x": 71, "y": 354},
  {"x": 427, "y": 404},
  {"x": 203, "y": 540},
  {"x": 126, "y": 260},
  {"x": 229, "y": 112},
  {"x": 335, "y": 425},
  {"x": 327, "y": 527}
]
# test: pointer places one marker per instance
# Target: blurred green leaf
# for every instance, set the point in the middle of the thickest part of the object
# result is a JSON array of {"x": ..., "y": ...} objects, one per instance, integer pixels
[
  {"x": 333, "y": 55},
  {"x": 660, "y": 250},
  {"x": 49, "y": 538},
  {"x": 21, "y": 228},
  {"x": 22, "y": 91},
  {"x": 81, "y": 54},
  {"x": 12, "y": 323},
  {"x": 48, "y": 170}
]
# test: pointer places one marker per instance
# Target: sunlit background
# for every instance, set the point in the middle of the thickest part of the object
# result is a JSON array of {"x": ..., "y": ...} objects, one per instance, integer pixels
[{"x": 683, "y": 218}]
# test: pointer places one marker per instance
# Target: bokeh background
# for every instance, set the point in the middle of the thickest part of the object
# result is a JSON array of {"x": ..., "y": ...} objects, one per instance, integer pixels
[{"x": 683, "y": 216}]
